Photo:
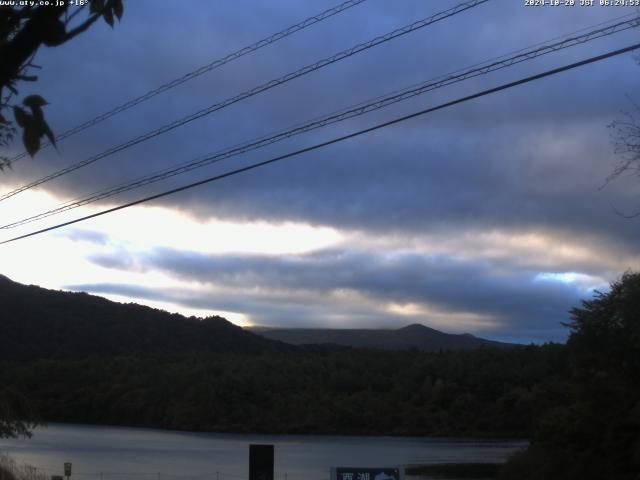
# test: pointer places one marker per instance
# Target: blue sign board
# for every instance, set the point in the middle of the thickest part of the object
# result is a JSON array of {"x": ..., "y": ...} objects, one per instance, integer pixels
[{"x": 352, "y": 473}]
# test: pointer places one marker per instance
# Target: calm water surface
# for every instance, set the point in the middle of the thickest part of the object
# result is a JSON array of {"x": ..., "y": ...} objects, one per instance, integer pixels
[{"x": 117, "y": 453}]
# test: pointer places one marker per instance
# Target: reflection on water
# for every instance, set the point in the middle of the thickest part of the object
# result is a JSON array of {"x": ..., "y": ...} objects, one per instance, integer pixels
[{"x": 116, "y": 453}]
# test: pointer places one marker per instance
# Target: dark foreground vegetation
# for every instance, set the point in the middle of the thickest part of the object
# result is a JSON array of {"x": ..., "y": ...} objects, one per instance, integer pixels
[
  {"x": 592, "y": 430},
  {"x": 6, "y": 474},
  {"x": 578, "y": 403},
  {"x": 323, "y": 391}
]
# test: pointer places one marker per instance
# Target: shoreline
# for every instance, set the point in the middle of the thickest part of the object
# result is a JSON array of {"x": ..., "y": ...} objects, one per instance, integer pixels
[{"x": 435, "y": 437}]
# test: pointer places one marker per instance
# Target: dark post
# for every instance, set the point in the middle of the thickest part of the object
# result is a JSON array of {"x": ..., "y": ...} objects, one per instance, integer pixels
[
  {"x": 67, "y": 469},
  {"x": 260, "y": 462}
]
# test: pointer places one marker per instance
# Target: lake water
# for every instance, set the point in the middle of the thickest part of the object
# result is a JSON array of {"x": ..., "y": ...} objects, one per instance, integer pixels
[{"x": 116, "y": 453}]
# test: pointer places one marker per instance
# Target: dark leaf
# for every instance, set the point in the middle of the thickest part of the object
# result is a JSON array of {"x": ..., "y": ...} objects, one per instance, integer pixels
[
  {"x": 22, "y": 117},
  {"x": 118, "y": 8},
  {"x": 31, "y": 139},
  {"x": 96, "y": 6},
  {"x": 53, "y": 32},
  {"x": 2, "y": 119},
  {"x": 47, "y": 131},
  {"x": 108, "y": 17},
  {"x": 34, "y": 101},
  {"x": 5, "y": 163}
]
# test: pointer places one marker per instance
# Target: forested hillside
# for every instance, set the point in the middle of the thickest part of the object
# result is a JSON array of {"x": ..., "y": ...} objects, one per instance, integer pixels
[
  {"x": 345, "y": 391},
  {"x": 40, "y": 323}
]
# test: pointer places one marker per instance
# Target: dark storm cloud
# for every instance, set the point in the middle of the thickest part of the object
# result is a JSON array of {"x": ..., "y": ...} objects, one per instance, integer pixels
[
  {"x": 444, "y": 183},
  {"x": 519, "y": 299}
]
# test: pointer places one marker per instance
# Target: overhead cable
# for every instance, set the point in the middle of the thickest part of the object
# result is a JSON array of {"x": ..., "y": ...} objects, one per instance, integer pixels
[
  {"x": 254, "y": 91},
  {"x": 201, "y": 71},
  {"x": 318, "y": 146},
  {"x": 344, "y": 114}
]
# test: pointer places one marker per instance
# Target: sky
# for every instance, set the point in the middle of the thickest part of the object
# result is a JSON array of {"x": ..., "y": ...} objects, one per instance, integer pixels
[{"x": 492, "y": 217}]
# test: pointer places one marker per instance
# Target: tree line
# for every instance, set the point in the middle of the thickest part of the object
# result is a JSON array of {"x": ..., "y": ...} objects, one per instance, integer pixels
[{"x": 488, "y": 392}]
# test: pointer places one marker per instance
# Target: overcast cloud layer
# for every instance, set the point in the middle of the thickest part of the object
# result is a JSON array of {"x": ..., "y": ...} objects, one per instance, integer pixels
[{"x": 489, "y": 217}]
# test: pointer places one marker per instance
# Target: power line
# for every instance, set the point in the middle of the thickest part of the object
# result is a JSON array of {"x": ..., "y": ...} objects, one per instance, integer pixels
[
  {"x": 202, "y": 70},
  {"x": 337, "y": 140},
  {"x": 256, "y": 90},
  {"x": 342, "y": 115}
]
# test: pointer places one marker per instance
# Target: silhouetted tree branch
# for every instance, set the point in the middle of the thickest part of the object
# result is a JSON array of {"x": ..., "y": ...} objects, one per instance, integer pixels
[
  {"x": 23, "y": 30},
  {"x": 16, "y": 415},
  {"x": 625, "y": 137}
]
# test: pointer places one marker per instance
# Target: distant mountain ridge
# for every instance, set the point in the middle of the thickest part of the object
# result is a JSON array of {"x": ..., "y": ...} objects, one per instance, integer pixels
[
  {"x": 412, "y": 336},
  {"x": 39, "y": 323}
]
